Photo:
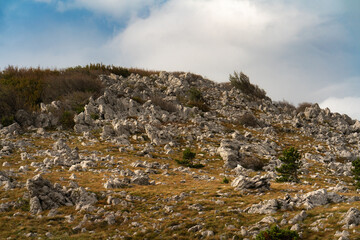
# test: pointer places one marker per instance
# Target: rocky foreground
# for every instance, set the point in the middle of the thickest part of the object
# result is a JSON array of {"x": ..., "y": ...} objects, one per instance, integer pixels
[{"x": 114, "y": 176}]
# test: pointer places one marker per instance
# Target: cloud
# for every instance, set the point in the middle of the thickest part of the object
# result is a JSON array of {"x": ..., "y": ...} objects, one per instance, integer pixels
[
  {"x": 295, "y": 50},
  {"x": 346, "y": 105},
  {"x": 285, "y": 49}
]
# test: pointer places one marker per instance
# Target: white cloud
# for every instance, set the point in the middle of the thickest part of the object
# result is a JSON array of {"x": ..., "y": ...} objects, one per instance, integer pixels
[
  {"x": 347, "y": 105},
  {"x": 292, "y": 49},
  {"x": 280, "y": 46}
]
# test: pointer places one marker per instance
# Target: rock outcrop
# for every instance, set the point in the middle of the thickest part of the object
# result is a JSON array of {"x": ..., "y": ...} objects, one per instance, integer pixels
[
  {"x": 44, "y": 195},
  {"x": 261, "y": 183}
]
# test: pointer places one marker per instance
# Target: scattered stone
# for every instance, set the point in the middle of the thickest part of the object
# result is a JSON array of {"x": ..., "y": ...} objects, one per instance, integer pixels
[
  {"x": 298, "y": 218},
  {"x": 258, "y": 182},
  {"x": 229, "y": 152},
  {"x": 44, "y": 195},
  {"x": 117, "y": 183},
  {"x": 352, "y": 216}
]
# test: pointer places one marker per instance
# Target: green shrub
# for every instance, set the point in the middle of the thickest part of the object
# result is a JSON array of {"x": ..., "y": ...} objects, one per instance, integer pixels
[
  {"x": 7, "y": 120},
  {"x": 26, "y": 88},
  {"x": 290, "y": 165},
  {"x": 188, "y": 158},
  {"x": 195, "y": 95},
  {"x": 248, "y": 120},
  {"x": 26, "y": 83},
  {"x": 195, "y": 99},
  {"x": 276, "y": 233},
  {"x": 188, "y": 154},
  {"x": 190, "y": 164},
  {"x": 225, "y": 180},
  {"x": 67, "y": 120},
  {"x": 95, "y": 116},
  {"x": 76, "y": 101},
  {"x": 356, "y": 172},
  {"x": 242, "y": 82}
]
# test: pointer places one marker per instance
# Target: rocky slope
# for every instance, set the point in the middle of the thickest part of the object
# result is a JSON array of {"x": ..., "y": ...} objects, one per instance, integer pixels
[{"x": 115, "y": 175}]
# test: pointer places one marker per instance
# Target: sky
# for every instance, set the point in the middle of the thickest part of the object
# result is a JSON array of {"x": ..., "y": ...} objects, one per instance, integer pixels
[{"x": 298, "y": 51}]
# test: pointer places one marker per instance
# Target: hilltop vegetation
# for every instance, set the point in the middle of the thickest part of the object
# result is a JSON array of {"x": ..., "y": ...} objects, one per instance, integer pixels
[
  {"x": 101, "y": 152},
  {"x": 26, "y": 88}
]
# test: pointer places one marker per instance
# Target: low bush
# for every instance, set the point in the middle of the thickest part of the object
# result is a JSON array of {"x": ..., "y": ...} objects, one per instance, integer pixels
[
  {"x": 7, "y": 120},
  {"x": 188, "y": 154},
  {"x": 26, "y": 88},
  {"x": 187, "y": 159},
  {"x": 286, "y": 106},
  {"x": 142, "y": 72},
  {"x": 67, "y": 120},
  {"x": 225, "y": 180},
  {"x": 189, "y": 164},
  {"x": 276, "y": 233},
  {"x": 253, "y": 163},
  {"x": 76, "y": 101},
  {"x": 195, "y": 95},
  {"x": 302, "y": 106},
  {"x": 9, "y": 104},
  {"x": 356, "y": 172},
  {"x": 94, "y": 116},
  {"x": 195, "y": 99},
  {"x": 242, "y": 82},
  {"x": 248, "y": 120},
  {"x": 58, "y": 86}
]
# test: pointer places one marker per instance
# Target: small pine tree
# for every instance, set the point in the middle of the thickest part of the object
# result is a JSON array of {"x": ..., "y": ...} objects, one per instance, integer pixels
[
  {"x": 188, "y": 154},
  {"x": 291, "y": 163},
  {"x": 356, "y": 172},
  {"x": 225, "y": 180},
  {"x": 276, "y": 233},
  {"x": 188, "y": 157}
]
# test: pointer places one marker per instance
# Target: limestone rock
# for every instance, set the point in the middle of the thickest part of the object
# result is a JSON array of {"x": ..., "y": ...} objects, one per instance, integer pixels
[
  {"x": 13, "y": 129},
  {"x": 44, "y": 195},
  {"x": 229, "y": 152},
  {"x": 352, "y": 216},
  {"x": 140, "y": 180},
  {"x": 258, "y": 182},
  {"x": 312, "y": 111},
  {"x": 321, "y": 197},
  {"x": 23, "y": 118},
  {"x": 298, "y": 218},
  {"x": 117, "y": 183}
]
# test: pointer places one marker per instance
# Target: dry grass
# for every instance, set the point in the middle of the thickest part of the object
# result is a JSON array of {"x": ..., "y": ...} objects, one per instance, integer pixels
[
  {"x": 26, "y": 88},
  {"x": 215, "y": 217}
]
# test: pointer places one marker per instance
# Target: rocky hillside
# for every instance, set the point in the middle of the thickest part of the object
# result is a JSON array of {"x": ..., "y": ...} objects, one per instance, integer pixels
[{"x": 177, "y": 156}]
